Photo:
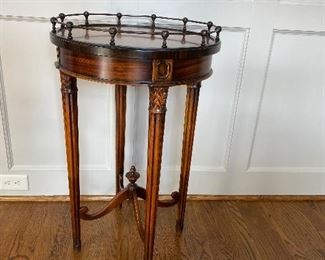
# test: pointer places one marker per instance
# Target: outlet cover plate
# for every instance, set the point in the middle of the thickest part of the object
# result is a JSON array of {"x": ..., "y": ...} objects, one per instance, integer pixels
[{"x": 13, "y": 182}]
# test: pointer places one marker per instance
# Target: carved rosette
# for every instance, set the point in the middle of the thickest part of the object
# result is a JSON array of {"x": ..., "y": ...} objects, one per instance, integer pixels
[
  {"x": 68, "y": 84},
  {"x": 162, "y": 70},
  {"x": 158, "y": 99}
]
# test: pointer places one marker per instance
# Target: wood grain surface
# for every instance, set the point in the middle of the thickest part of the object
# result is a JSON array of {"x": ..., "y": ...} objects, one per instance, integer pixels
[
  {"x": 214, "y": 230},
  {"x": 132, "y": 71}
]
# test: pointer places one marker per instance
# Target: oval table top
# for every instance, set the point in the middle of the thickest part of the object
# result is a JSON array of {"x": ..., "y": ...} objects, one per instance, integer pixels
[{"x": 118, "y": 48}]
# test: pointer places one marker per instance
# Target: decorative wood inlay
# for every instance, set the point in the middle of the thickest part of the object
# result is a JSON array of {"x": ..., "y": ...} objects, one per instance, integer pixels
[{"x": 162, "y": 70}]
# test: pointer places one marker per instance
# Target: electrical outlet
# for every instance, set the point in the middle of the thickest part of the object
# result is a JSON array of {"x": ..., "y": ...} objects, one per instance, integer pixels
[{"x": 13, "y": 182}]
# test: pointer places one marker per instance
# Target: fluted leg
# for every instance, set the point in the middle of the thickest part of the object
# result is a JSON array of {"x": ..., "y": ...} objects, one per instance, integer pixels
[
  {"x": 192, "y": 99},
  {"x": 157, "y": 111},
  {"x": 69, "y": 92},
  {"x": 120, "y": 103}
]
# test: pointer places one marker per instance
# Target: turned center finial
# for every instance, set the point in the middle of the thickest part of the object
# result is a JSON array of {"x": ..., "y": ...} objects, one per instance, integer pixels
[{"x": 132, "y": 175}]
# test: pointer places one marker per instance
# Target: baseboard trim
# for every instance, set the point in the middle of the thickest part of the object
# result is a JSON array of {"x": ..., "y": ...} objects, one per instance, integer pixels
[{"x": 65, "y": 198}]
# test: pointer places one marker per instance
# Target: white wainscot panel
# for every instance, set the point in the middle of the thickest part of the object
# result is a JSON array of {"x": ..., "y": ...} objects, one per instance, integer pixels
[
  {"x": 218, "y": 103},
  {"x": 306, "y": 15},
  {"x": 34, "y": 104},
  {"x": 289, "y": 134}
]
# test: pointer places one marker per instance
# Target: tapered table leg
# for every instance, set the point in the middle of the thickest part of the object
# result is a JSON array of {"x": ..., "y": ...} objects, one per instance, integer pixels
[
  {"x": 69, "y": 92},
  {"x": 157, "y": 111},
  {"x": 192, "y": 99},
  {"x": 120, "y": 103}
]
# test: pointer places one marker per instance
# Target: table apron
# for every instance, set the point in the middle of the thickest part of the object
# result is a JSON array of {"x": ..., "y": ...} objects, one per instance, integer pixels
[{"x": 134, "y": 71}]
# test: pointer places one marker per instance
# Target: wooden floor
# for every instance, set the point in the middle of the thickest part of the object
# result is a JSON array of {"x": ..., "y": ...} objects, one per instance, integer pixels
[{"x": 213, "y": 230}]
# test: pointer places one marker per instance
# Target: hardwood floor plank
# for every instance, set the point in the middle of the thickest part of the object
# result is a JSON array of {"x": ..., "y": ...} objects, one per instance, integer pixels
[
  {"x": 23, "y": 244},
  {"x": 56, "y": 240},
  {"x": 268, "y": 242},
  {"x": 234, "y": 221},
  {"x": 213, "y": 230},
  {"x": 217, "y": 231},
  {"x": 315, "y": 216},
  {"x": 296, "y": 230},
  {"x": 11, "y": 216},
  {"x": 320, "y": 211}
]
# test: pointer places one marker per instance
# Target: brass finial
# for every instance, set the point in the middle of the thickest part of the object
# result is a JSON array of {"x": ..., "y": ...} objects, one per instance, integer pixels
[
  {"x": 204, "y": 34},
  {"x": 164, "y": 35},
  {"x": 119, "y": 16},
  {"x": 112, "y": 31},
  {"x": 53, "y": 21},
  {"x": 86, "y": 14},
  {"x": 69, "y": 26}
]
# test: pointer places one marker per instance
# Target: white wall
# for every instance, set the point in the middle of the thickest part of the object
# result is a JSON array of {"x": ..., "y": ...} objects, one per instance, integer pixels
[{"x": 261, "y": 120}]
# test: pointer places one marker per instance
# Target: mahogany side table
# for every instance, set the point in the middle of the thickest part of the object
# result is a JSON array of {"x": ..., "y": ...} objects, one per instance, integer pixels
[{"x": 138, "y": 50}]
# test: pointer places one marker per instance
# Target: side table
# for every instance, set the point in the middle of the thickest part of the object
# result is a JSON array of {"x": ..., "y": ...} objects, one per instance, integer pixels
[{"x": 139, "y": 50}]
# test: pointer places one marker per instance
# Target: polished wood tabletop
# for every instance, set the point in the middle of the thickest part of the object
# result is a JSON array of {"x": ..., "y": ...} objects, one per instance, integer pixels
[{"x": 133, "y": 50}]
